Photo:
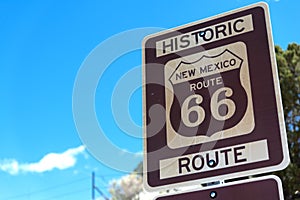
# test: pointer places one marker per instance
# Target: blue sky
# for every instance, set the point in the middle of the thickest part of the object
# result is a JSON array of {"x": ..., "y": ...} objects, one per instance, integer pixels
[{"x": 43, "y": 46}]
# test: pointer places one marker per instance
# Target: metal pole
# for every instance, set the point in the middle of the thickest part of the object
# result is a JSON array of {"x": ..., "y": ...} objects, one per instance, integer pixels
[{"x": 93, "y": 185}]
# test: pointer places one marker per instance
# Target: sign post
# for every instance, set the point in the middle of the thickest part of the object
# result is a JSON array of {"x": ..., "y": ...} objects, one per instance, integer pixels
[
  {"x": 259, "y": 189},
  {"x": 211, "y": 101}
]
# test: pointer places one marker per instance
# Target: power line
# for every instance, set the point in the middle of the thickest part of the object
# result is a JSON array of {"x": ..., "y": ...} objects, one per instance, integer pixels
[
  {"x": 66, "y": 194},
  {"x": 104, "y": 178},
  {"x": 45, "y": 189},
  {"x": 95, "y": 188}
]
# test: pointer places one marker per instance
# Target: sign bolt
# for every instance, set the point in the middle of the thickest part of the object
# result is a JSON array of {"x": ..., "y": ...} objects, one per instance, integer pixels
[
  {"x": 213, "y": 194},
  {"x": 212, "y": 163}
]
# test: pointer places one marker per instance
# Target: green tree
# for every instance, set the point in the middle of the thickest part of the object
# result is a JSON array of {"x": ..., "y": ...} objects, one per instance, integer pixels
[{"x": 288, "y": 63}]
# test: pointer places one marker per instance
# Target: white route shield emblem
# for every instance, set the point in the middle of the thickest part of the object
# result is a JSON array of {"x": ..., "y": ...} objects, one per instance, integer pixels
[{"x": 208, "y": 96}]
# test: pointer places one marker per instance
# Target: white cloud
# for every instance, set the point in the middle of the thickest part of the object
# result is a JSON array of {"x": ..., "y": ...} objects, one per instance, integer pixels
[
  {"x": 135, "y": 154},
  {"x": 49, "y": 162},
  {"x": 139, "y": 154}
]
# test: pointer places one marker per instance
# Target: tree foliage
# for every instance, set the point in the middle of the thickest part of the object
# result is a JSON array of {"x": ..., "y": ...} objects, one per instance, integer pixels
[
  {"x": 127, "y": 188},
  {"x": 288, "y": 63}
]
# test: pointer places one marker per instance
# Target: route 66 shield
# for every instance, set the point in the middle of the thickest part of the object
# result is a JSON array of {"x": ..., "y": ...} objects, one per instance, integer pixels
[{"x": 208, "y": 96}]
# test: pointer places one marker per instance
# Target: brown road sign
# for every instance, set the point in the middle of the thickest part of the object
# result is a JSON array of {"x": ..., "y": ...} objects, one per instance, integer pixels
[
  {"x": 258, "y": 189},
  {"x": 212, "y": 102}
]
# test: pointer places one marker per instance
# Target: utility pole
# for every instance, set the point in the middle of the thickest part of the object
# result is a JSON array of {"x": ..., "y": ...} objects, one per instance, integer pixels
[{"x": 94, "y": 187}]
